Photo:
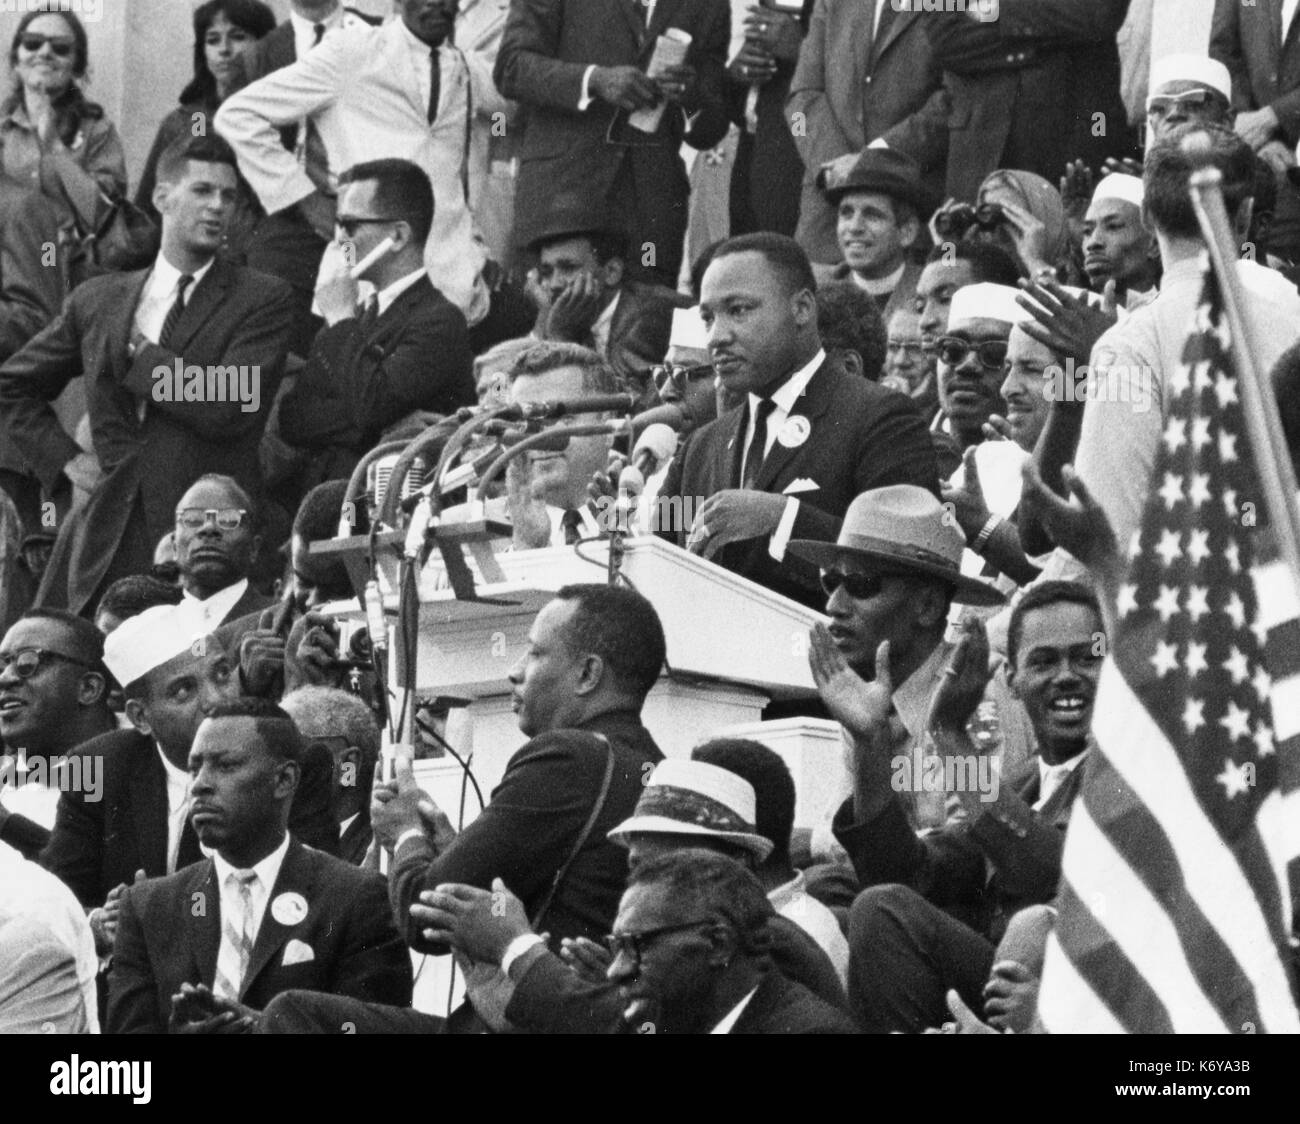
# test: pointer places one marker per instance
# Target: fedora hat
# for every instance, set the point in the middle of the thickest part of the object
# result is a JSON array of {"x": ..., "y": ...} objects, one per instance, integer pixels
[
  {"x": 569, "y": 215},
  {"x": 901, "y": 527},
  {"x": 885, "y": 170},
  {"x": 697, "y": 799}
]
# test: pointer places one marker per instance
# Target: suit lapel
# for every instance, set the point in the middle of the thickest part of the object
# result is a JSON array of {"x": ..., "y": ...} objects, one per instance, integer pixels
[
  {"x": 758, "y": 1010},
  {"x": 811, "y": 405},
  {"x": 402, "y": 67},
  {"x": 664, "y": 11},
  {"x": 149, "y": 809},
  {"x": 128, "y": 295},
  {"x": 892, "y": 24},
  {"x": 731, "y": 448},
  {"x": 208, "y": 294},
  {"x": 202, "y": 913},
  {"x": 295, "y": 877}
]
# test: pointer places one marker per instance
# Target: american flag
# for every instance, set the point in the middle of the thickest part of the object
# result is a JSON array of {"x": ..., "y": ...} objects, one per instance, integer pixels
[{"x": 1175, "y": 907}]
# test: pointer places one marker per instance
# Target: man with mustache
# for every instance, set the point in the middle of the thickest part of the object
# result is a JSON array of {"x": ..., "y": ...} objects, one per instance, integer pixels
[{"x": 808, "y": 437}]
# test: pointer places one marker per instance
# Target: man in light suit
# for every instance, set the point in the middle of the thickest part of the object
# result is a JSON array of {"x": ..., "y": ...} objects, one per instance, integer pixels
[
  {"x": 400, "y": 90},
  {"x": 129, "y": 334},
  {"x": 865, "y": 75},
  {"x": 263, "y": 914},
  {"x": 807, "y": 439},
  {"x": 577, "y": 66}
]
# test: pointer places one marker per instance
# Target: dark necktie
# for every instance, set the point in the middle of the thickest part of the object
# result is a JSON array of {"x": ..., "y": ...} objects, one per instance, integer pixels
[
  {"x": 369, "y": 315},
  {"x": 571, "y": 522},
  {"x": 758, "y": 445},
  {"x": 174, "y": 313},
  {"x": 319, "y": 31},
  {"x": 435, "y": 73}
]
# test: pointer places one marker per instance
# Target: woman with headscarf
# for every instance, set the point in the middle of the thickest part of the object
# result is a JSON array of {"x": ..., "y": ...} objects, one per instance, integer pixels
[
  {"x": 1034, "y": 227},
  {"x": 224, "y": 32}
]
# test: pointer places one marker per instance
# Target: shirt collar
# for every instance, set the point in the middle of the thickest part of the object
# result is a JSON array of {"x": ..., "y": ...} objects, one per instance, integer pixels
[
  {"x": 785, "y": 396},
  {"x": 305, "y": 29},
  {"x": 176, "y": 778},
  {"x": 879, "y": 286},
  {"x": 787, "y": 892},
  {"x": 397, "y": 288},
  {"x": 606, "y": 317},
  {"x": 347, "y": 823},
  {"x": 1061, "y": 771},
  {"x": 215, "y": 608},
  {"x": 733, "y": 1016},
  {"x": 268, "y": 870},
  {"x": 166, "y": 277},
  {"x": 418, "y": 45},
  {"x": 912, "y": 696}
]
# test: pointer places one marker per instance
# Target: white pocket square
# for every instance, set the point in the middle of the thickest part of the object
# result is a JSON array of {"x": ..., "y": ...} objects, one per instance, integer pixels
[
  {"x": 803, "y": 484},
  {"x": 297, "y": 952}
]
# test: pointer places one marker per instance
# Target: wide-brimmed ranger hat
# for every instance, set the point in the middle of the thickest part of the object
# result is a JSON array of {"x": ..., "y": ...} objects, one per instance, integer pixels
[
  {"x": 901, "y": 527},
  {"x": 693, "y": 798}
]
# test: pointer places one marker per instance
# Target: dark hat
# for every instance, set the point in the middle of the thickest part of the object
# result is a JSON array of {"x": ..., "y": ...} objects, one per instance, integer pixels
[
  {"x": 903, "y": 527},
  {"x": 886, "y": 170},
  {"x": 569, "y": 215}
]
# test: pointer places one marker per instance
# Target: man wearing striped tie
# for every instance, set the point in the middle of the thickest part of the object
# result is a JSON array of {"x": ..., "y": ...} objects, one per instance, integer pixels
[{"x": 203, "y": 950}]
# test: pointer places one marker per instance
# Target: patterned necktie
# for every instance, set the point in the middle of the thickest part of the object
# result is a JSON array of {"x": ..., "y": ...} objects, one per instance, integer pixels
[
  {"x": 174, "y": 313},
  {"x": 435, "y": 78},
  {"x": 571, "y": 522},
  {"x": 236, "y": 938},
  {"x": 758, "y": 445}
]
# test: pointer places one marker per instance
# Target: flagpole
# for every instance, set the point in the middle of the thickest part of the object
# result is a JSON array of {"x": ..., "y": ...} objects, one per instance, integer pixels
[{"x": 1272, "y": 458}]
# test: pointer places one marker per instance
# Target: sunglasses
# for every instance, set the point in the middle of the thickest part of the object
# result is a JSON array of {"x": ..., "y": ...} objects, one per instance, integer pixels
[
  {"x": 953, "y": 350},
  {"x": 26, "y": 662},
  {"x": 227, "y": 518},
  {"x": 1161, "y": 105},
  {"x": 349, "y": 223},
  {"x": 635, "y": 944},
  {"x": 861, "y": 587},
  {"x": 671, "y": 373},
  {"x": 33, "y": 42}
]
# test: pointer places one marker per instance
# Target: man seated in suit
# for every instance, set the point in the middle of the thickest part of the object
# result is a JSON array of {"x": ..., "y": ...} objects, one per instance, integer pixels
[
  {"x": 274, "y": 914},
  {"x": 53, "y": 697},
  {"x": 582, "y": 268},
  {"x": 880, "y": 204},
  {"x": 406, "y": 349},
  {"x": 181, "y": 361},
  {"x": 171, "y": 674},
  {"x": 808, "y": 438},
  {"x": 217, "y": 543},
  {"x": 908, "y": 946},
  {"x": 691, "y": 952},
  {"x": 593, "y": 654},
  {"x": 346, "y": 726}
]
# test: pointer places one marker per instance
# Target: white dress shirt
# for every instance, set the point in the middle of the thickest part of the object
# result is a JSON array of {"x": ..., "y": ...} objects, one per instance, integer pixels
[
  {"x": 733, "y": 1016},
  {"x": 1288, "y": 14},
  {"x": 601, "y": 328},
  {"x": 1051, "y": 777},
  {"x": 160, "y": 294},
  {"x": 212, "y": 610},
  {"x": 793, "y": 902},
  {"x": 178, "y": 807},
  {"x": 397, "y": 288},
  {"x": 879, "y": 286},
  {"x": 304, "y": 30},
  {"x": 784, "y": 401},
  {"x": 268, "y": 870}
]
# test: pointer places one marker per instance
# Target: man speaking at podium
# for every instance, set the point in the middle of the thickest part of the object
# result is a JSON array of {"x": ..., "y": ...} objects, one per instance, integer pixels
[{"x": 809, "y": 437}]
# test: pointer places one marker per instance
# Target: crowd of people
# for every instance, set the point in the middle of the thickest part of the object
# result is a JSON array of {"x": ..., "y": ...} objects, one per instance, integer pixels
[{"x": 917, "y": 384}]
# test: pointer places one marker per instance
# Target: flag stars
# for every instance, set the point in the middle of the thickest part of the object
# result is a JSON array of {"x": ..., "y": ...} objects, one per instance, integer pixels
[
  {"x": 1236, "y": 721},
  {"x": 1235, "y": 610},
  {"x": 1237, "y": 665},
  {"x": 1198, "y": 546},
  {"x": 1167, "y": 603},
  {"x": 1263, "y": 739},
  {"x": 1169, "y": 548},
  {"x": 1171, "y": 491},
  {"x": 1227, "y": 446},
  {"x": 1165, "y": 660},
  {"x": 1198, "y": 494},
  {"x": 1225, "y": 389},
  {"x": 1260, "y": 629},
  {"x": 1175, "y": 435},
  {"x": 1195, "y": 659},
  {"x": 1203, "y": 380},
  {"x": 1193, "y": 715},
  {"x": 1127, "y": 601},
  {"x": 1135, "y": 544},
  {"x": 1236, "y": 779},
  {"x": 1180, "y": 381},
  {"x": 1200, "y": 433},
  {"x": 1261, "y": 683},
  {"x": 1232, "y": 552}
]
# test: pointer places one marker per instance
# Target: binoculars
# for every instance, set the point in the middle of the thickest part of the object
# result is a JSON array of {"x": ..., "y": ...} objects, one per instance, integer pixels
[{"x": 956, "y": 221}]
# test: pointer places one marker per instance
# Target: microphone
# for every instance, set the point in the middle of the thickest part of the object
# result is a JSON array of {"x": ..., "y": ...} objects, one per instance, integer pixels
[
  {"x": 654, "y": 449},
  {"x": 563, "y": 407},
  {"x": 674, "y": 415}
]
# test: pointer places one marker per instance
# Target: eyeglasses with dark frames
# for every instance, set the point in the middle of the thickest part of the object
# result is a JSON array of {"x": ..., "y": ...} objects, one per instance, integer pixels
[
  {"x": 349, "y": 223},
  {"x": 226, "y": 518},
  {"x": 861, "y": 587},
  {"x": 26, "y": 662},
  {"x": 62, "y": 47},
  {"x": 678, "y": 376},
  {"x": 634, "y": 944},
  {"x": 953, "y": 350}
]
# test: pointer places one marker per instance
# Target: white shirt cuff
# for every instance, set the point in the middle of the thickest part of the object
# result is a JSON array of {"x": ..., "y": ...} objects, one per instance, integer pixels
[
  {"x": 586, "y": 99},
  {"x": 409, "y": 833},
  {"x": 784, "y": 529},
  {"x": 516, "y": 948}
]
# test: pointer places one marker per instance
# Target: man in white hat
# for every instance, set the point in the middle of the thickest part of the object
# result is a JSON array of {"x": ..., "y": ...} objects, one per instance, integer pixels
[
  {"x": 138, "y": 825},
  {"x": 1117, "y": 246},
  {"x": 972, "y": 353},
  {"x": 1187, "y": 89}
]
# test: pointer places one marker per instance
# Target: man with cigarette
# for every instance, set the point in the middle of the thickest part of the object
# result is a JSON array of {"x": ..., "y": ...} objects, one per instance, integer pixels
[
  {"x": 405, "y": 348},
  {"x": 584, "y": 134}
]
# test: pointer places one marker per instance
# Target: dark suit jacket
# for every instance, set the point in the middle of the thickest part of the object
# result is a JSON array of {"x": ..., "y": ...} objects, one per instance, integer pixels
[
  {"x": 950, "y": 867},
  {"x": 235, "y": 317},
  {"x": 357, "y": 383},
  {"x": 862, "y": 436},
  {"x": 546, "y": 47},
  {"x": 638, "y": 335},
  {"x": 849, "y": 98},
  {"x": 530, "y": 827},
  {"x": 1247, "y": 39},
  {"x": 1010, "y": 107},
  {"x": 97, "y": 845},
  {"x": 164, "y": 941},
  {"x": 355, "y": 842}
]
